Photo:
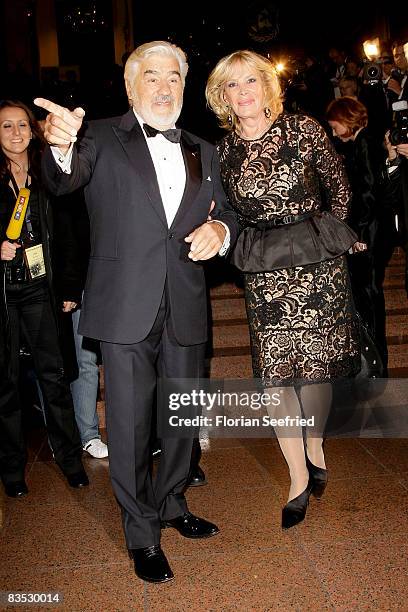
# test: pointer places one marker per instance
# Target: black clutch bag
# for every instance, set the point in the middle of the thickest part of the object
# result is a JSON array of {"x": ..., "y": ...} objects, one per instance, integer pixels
[
  {"x": 371, "y": 362},
  {"x": 319, "y": 237},
  {"x": 369, "y": 383}
]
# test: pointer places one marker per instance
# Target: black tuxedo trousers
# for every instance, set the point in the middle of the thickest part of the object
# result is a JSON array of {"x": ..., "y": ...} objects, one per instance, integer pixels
[{"x": 129, "y": 412}]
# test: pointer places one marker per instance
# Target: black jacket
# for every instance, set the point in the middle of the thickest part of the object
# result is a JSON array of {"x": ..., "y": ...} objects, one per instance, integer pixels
[
  {"x": 134, "y": 254},
  {"x": 364, "y": 163},
  {"x": 64, "y": 327},
  {"x": 71, "y": 241},
  {"x": 396, "y": 193}
]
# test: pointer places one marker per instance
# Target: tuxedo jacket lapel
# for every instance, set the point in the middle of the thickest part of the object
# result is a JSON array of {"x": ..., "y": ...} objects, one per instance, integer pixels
[
  {"x": 192, "y": 159},
  {"x": 134, "y": 144},
  {"x": 130, "y": 135}
]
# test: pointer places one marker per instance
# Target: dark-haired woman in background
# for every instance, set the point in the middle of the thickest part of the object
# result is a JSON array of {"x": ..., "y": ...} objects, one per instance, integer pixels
[
  {"x": 372, "y": 222},
  {"x": 28, "y": 308}
]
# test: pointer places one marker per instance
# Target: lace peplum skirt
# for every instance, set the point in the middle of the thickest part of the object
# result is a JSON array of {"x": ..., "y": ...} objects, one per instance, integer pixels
[{"x": 302, "y": 323}]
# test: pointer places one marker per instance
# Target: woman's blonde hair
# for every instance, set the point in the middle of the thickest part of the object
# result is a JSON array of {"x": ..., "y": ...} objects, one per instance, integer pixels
[{"x": 222, "y": 73}]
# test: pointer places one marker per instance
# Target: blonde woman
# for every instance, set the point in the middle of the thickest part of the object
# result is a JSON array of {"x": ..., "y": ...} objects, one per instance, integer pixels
[{"x": 302, "y": 322}]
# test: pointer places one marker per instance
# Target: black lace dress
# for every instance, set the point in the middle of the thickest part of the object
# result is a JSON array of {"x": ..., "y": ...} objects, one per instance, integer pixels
[{"x": 302, "y": 319}]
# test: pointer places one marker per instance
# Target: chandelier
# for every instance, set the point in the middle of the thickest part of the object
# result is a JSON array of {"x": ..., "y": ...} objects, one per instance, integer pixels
[{"x": 85, "y": 18}]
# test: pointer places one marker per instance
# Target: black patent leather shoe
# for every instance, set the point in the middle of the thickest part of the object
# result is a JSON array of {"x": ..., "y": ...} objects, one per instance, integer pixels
[
  {"x": 16, "y": 489},
  {"x": 191, "y": 526},
  {"x": 197, "y": 477},
  {"x": 151, "y": 564},
  {"x": 295, "y": 510},
  {"x": 77, "y": 479},
  {"x": 319, "y": 477}
]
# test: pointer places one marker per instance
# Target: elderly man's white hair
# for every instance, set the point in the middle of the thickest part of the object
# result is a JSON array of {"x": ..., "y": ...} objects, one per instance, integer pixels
[{"x": 157, "y": 47}]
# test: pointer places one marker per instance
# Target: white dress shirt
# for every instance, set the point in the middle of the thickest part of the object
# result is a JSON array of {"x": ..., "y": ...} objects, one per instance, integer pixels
[
  {"x": 404, "y": 80},
  {"x": 170, "y": 170}
]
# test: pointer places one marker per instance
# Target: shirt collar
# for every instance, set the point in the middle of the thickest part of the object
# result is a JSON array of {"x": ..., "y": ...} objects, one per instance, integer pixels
[{"x": 141, "y": 121}]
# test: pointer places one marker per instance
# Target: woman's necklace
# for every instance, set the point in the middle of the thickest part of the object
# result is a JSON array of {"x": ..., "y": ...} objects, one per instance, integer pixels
[
  {"x": 20, "y": 172},
  {"x": 257, "y": 134}
]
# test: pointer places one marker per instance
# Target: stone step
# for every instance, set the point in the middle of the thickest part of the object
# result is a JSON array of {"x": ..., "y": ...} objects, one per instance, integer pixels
[
  {"x": 394, "y": 283},
  {"x": 395, "y": 271},
  {"x": 397, "y": 329},
  {"x": 226, "y": 289},
  {"x": 398, "y": 360},
  {"x": 230, "y": 336},
  {"x": 395, "y": 300},
  {"x": 231, "y": 308},
  {"x": 239, "y": 366}
]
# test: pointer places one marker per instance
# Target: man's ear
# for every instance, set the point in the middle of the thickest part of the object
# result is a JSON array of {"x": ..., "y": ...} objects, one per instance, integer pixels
[{"x": 129, "y": 91}]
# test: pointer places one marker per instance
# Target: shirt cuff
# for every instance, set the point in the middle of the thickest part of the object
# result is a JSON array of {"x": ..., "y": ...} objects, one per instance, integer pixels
[
  {"x": 63, "y": 161},
  {"x": 227, "y": 240}
]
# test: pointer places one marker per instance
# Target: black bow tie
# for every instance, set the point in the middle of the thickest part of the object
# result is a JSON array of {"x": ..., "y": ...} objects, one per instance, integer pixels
[{"x": 173, "y": 135}]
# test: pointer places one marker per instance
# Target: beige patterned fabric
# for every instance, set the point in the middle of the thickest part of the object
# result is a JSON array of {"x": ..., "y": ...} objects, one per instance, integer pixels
[{"x": 302, "y": 320}]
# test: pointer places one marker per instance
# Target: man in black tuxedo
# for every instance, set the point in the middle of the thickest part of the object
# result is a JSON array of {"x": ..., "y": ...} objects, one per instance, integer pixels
[
  {"x": 400, "y": 86},
  {"x": 149, "y": 190}
]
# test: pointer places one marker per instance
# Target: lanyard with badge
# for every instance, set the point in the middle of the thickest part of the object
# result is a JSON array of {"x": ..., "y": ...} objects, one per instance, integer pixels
[{"x": 33, "y": 253}]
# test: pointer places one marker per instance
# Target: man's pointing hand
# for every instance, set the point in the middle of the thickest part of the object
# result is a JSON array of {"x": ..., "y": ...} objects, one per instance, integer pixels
[{"x": 61, "y": 125}]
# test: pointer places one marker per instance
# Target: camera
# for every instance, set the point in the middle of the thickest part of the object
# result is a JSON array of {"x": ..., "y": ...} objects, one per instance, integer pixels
[
  {"x": 399, "y": 133},
  {"x": 397, "y": 75},
  {"x": 372, "y": 73}
]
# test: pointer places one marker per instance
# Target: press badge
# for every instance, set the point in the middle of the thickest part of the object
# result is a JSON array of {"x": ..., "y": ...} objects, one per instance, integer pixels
[{"x": 34, "y": 259}]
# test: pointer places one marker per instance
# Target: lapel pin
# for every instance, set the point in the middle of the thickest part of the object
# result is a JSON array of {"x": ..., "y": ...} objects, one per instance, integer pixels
[{"x": 208, "y": 178}]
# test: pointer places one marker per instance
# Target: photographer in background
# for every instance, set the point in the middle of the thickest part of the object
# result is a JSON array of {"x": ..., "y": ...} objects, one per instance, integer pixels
[
  {"x": 399, "y": 81},
  {"x": 375, "y": 97},
  {"x": 396, "y": 190},
  {"x": 338, "y": 58}
]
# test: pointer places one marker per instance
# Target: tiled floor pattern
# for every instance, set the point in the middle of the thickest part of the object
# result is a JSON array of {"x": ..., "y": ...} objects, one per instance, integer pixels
[{"x": 350, "y": 554}]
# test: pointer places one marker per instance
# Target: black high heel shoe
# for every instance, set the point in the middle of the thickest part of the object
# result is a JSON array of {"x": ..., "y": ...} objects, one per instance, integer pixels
[
  {"x": 295, "y": 510},
  {"x": 319, "y": 478}
]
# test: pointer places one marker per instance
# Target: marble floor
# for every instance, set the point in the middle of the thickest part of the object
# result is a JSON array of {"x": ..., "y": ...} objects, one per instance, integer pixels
[{"x": 350, "y": 554}]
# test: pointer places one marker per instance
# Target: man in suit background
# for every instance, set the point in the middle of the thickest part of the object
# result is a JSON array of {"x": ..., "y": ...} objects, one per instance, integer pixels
[
  {"x": 149, "y": 190},
  {"x": 399, "y": 83}
]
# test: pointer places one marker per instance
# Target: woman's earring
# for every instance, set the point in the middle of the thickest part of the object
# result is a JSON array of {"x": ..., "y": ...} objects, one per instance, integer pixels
[
  {"x": 229, "y": 118},
  {"x": 267, "y": 112}
]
